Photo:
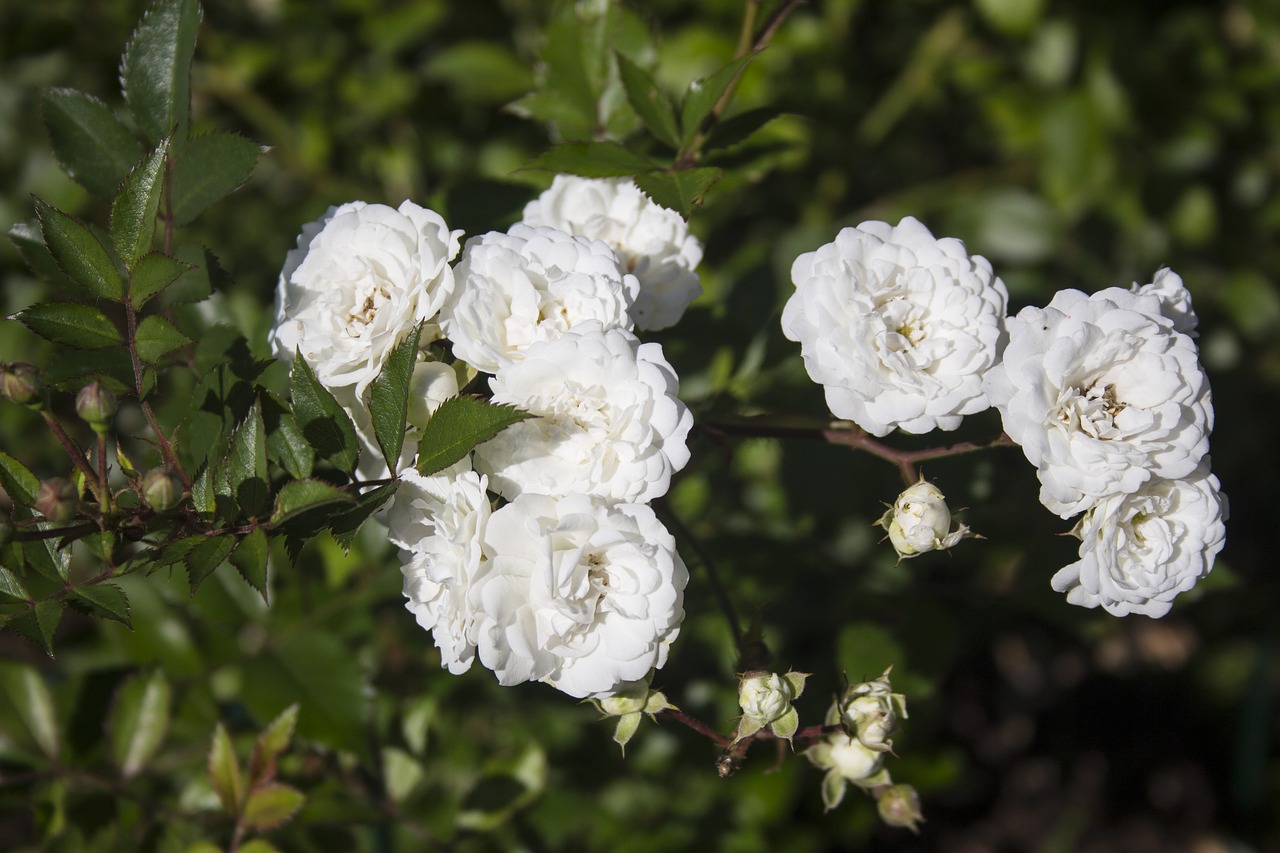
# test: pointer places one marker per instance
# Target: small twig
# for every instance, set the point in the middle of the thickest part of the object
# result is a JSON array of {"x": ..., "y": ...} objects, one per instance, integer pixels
[
  {"x": 76, "y": 453},
  {"x": 105, "y": 490},
  {"x": 698, "y": 726}
]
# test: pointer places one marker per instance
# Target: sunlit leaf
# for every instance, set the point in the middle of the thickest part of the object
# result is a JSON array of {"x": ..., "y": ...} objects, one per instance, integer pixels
[
  {"x": 156, "y": 71},
  {"x": 224, "y": 771},
  {"x": 211, "y": 167},
  {"x": 133, "y": 213},
  {"x": 71, "y": 324},
  {"x": 457, "y": 427},
  {"x": 156, "y": 337},
  {"x": 324, "y": 423},
  {"x": 92, "y": 145},
  {"x": 138, "y": 722},
  {"x": 650, "y": 101},
  {"x": 389, "y": 398},
  {"x": 79, "y": 253},
  {"x": 104, "y": 600}
]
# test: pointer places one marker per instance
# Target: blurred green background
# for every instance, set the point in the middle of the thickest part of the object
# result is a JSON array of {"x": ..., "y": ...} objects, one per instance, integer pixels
[{"x": 1076, "y": 145}]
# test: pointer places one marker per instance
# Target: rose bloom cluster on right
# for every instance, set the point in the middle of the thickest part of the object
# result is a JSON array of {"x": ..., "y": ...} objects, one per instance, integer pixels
[{"x": 1104, "y": 393}]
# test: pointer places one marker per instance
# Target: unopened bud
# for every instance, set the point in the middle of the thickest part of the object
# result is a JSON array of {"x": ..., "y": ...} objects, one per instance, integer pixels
[
  {"x": 899, "y": 805},
  {"x": 765, "y": 699},
  {"x": 57, "y": 500},
  {"x": 920, "y": 521},
  {"x": 96, "y": 405},
  {"x": 22, "y": 384},
  {"x": 162, "y": 489}
]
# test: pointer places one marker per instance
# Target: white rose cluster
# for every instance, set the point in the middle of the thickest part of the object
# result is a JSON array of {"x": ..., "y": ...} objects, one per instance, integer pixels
[{"x": 572, "y": 580}]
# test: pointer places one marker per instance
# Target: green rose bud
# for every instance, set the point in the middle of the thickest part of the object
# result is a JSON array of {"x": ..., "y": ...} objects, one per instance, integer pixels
[
  {"x": 22, "y": 384},
  {"x": 96, "y": 405},
  {"x": 162, "y": 489},
  {"x": 899, "y": 805},
  {"x": 765, "y": 699},
  {"x": 57, "y": 500}
]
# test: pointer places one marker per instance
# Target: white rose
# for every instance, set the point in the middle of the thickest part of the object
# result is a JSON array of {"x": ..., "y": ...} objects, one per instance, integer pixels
[
  {"x": 439, "y": 522},
  {"x": 652, "y": 242},
  {"x": 582, "y": 595},
  {"x": 1102, "y": 393},
  {"x": 361, "y": 278},
  {"x": 898, "y": 327},
  {"x": 1139, "y": 550},
  {"x": 528, "y": 285},
  {"x": 608, "y": 421},
  {"x": 920, "y": 521}
]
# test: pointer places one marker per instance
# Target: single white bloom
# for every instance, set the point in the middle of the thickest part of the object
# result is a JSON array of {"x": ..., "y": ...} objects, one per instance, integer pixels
[
  {"x": 582, "y": 595},
  {"x": 1139, "y": 550},
  {"x": 1102, "y": 393},
  {"x": 897, "y": 326},
  {"x": 920, "y": 521},
  {"x": 361, "y": 278},
  {"x": 652, "y": 242},
  {"x": 531, "y": 284},
  {"x": 608, "y": 421},
  {"x": 439, "y": 522}
]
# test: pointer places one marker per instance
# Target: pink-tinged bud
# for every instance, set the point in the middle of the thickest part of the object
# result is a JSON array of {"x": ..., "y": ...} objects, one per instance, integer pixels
[
  {"x": 162, "y": 489},
  {"x": 22, "y": 384},
  {"x": 899, "y": 805},
  {"x": 57, "y": 500},
  {"x": 96, "y": 405}
]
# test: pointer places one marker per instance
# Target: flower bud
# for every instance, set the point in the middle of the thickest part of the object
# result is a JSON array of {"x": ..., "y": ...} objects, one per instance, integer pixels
[
  {"x": 920, "y": 521},
  {"x": 869, "y": 712},
  {"x": 22, "y": 384},
  {"x": 162, "y": 488},
  {"x": 627, "y": 704},
  {"x": 899, "y": 805},
  {"x": 765, "y": 699},
  {"x": 57, "y": 500},
  {"x": 96, "y": 405}
]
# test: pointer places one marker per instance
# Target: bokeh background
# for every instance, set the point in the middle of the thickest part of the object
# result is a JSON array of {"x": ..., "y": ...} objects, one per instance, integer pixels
[{"x": 1079, "y": 145}]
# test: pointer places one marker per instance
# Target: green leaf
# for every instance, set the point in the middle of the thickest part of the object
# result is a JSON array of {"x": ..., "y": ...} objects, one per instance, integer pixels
[
  {"x": 104, "y": 600},
  {"x": 272, "y": 805},
  {"x": 28, "y": 695},
  {"x": 317, "y": 671},
  {"x": 11, "y": 586},
  {"x": 289, "y": 448},
  {"x": 78, "y": 253},
  {"x": 151, "y": 275},
  {"x": 204, "y": 558},
  {"x": 224, "y": 772},
  {"x": 250, "y": 560},
  {"x": 324, "y": 423},
  {"x": 702, "y": 95},
  {"x": 458, "y": 426},
  {"x": 71, "y": 369},
  {"x": 156, "y": 337},
  {"x": 210, "y": 168},
  {"x": 273, "y": 740},
  {"x": 138, "y": 722},
  {"x": 346, "y": 525},
  {"x": 592, "y": 160},
  {"x": 91, "y": 144},
  {"x": 17, "y": 481},
  {"x": 133, "y": 213},
  {"x": 47, "y": 558},
  {"x": 299, "y": 496},
  {"x": 254, "y": 845},
  {"x": 650, "y": 101},
  {"x": 246, "y": 464},
  {"x": 39, "y": 623},
  {"x": 681, "y": 191},
  {"x": 739, "y": 128},
  {"x": 156, "y": 71},
  {"x": 29, "y": 241},
  {"x": 389, "y": 398},
  {"x": 71, "y": 324}
]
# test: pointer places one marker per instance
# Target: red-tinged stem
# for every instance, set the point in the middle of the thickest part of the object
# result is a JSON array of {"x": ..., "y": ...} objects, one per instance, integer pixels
[{"x": 78, "y": 459}]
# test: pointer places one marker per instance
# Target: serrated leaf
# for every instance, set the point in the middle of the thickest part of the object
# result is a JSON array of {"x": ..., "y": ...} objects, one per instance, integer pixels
[
  {"x": 224, "y": 772},
  {"x": 203, "y": 276},
  {"x": 702, "y": 95},
  {"x": 202, "y": 495},
  {"x": 92, "y": 145},
  {"x": 650, "y": 101},
  {"x": 592, "y": 160},
  {"x": 739, "y": 128},
  {"x": 17, "y": 481},
  {"x": 273, "y": 740},
  {"x": 346, "y": 525},
  {"x": 47, "y": 558},
  {"x": 300, "y": 496},
  {"x": 133, "y": 212},
  {"x": 324, "y": 423},
  {"x": 104, "y": 600},
  {"x": 250, "y": 560},
  {"x": 71, "y": 324},
  {"x": 246, "y": 464},
  {"x": 156, "y": 71},
  {"x": 389, "y": 398},
  {"x": 29, "y": 242},
  {"x": 71, "y": 369},
  {"x": 211, "y": 167},
  {"x": 205, "y": 557},
  {"x": 39, "y": 624},
  {"x": 139, "y": 722},
  {"x": 30, "y": 698},
  {"x": 288, "y": 446},
  {"x": 11, "y": 586},
  {"x": 157, "y": 337},
  {"x": 680, "y": 191},
  {"x": 457, "y": 427},
  {"x": 78, "y": 253},
  {"x": 151, "y": 275},
  {"x": 272, "y": 805}
]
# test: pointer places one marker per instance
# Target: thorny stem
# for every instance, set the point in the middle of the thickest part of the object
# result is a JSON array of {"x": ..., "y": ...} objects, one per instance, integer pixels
[
  {"x": 713, "y": 576},
  {"x": 76, "y": 453},
  {"x": 850, "y": 435}
]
